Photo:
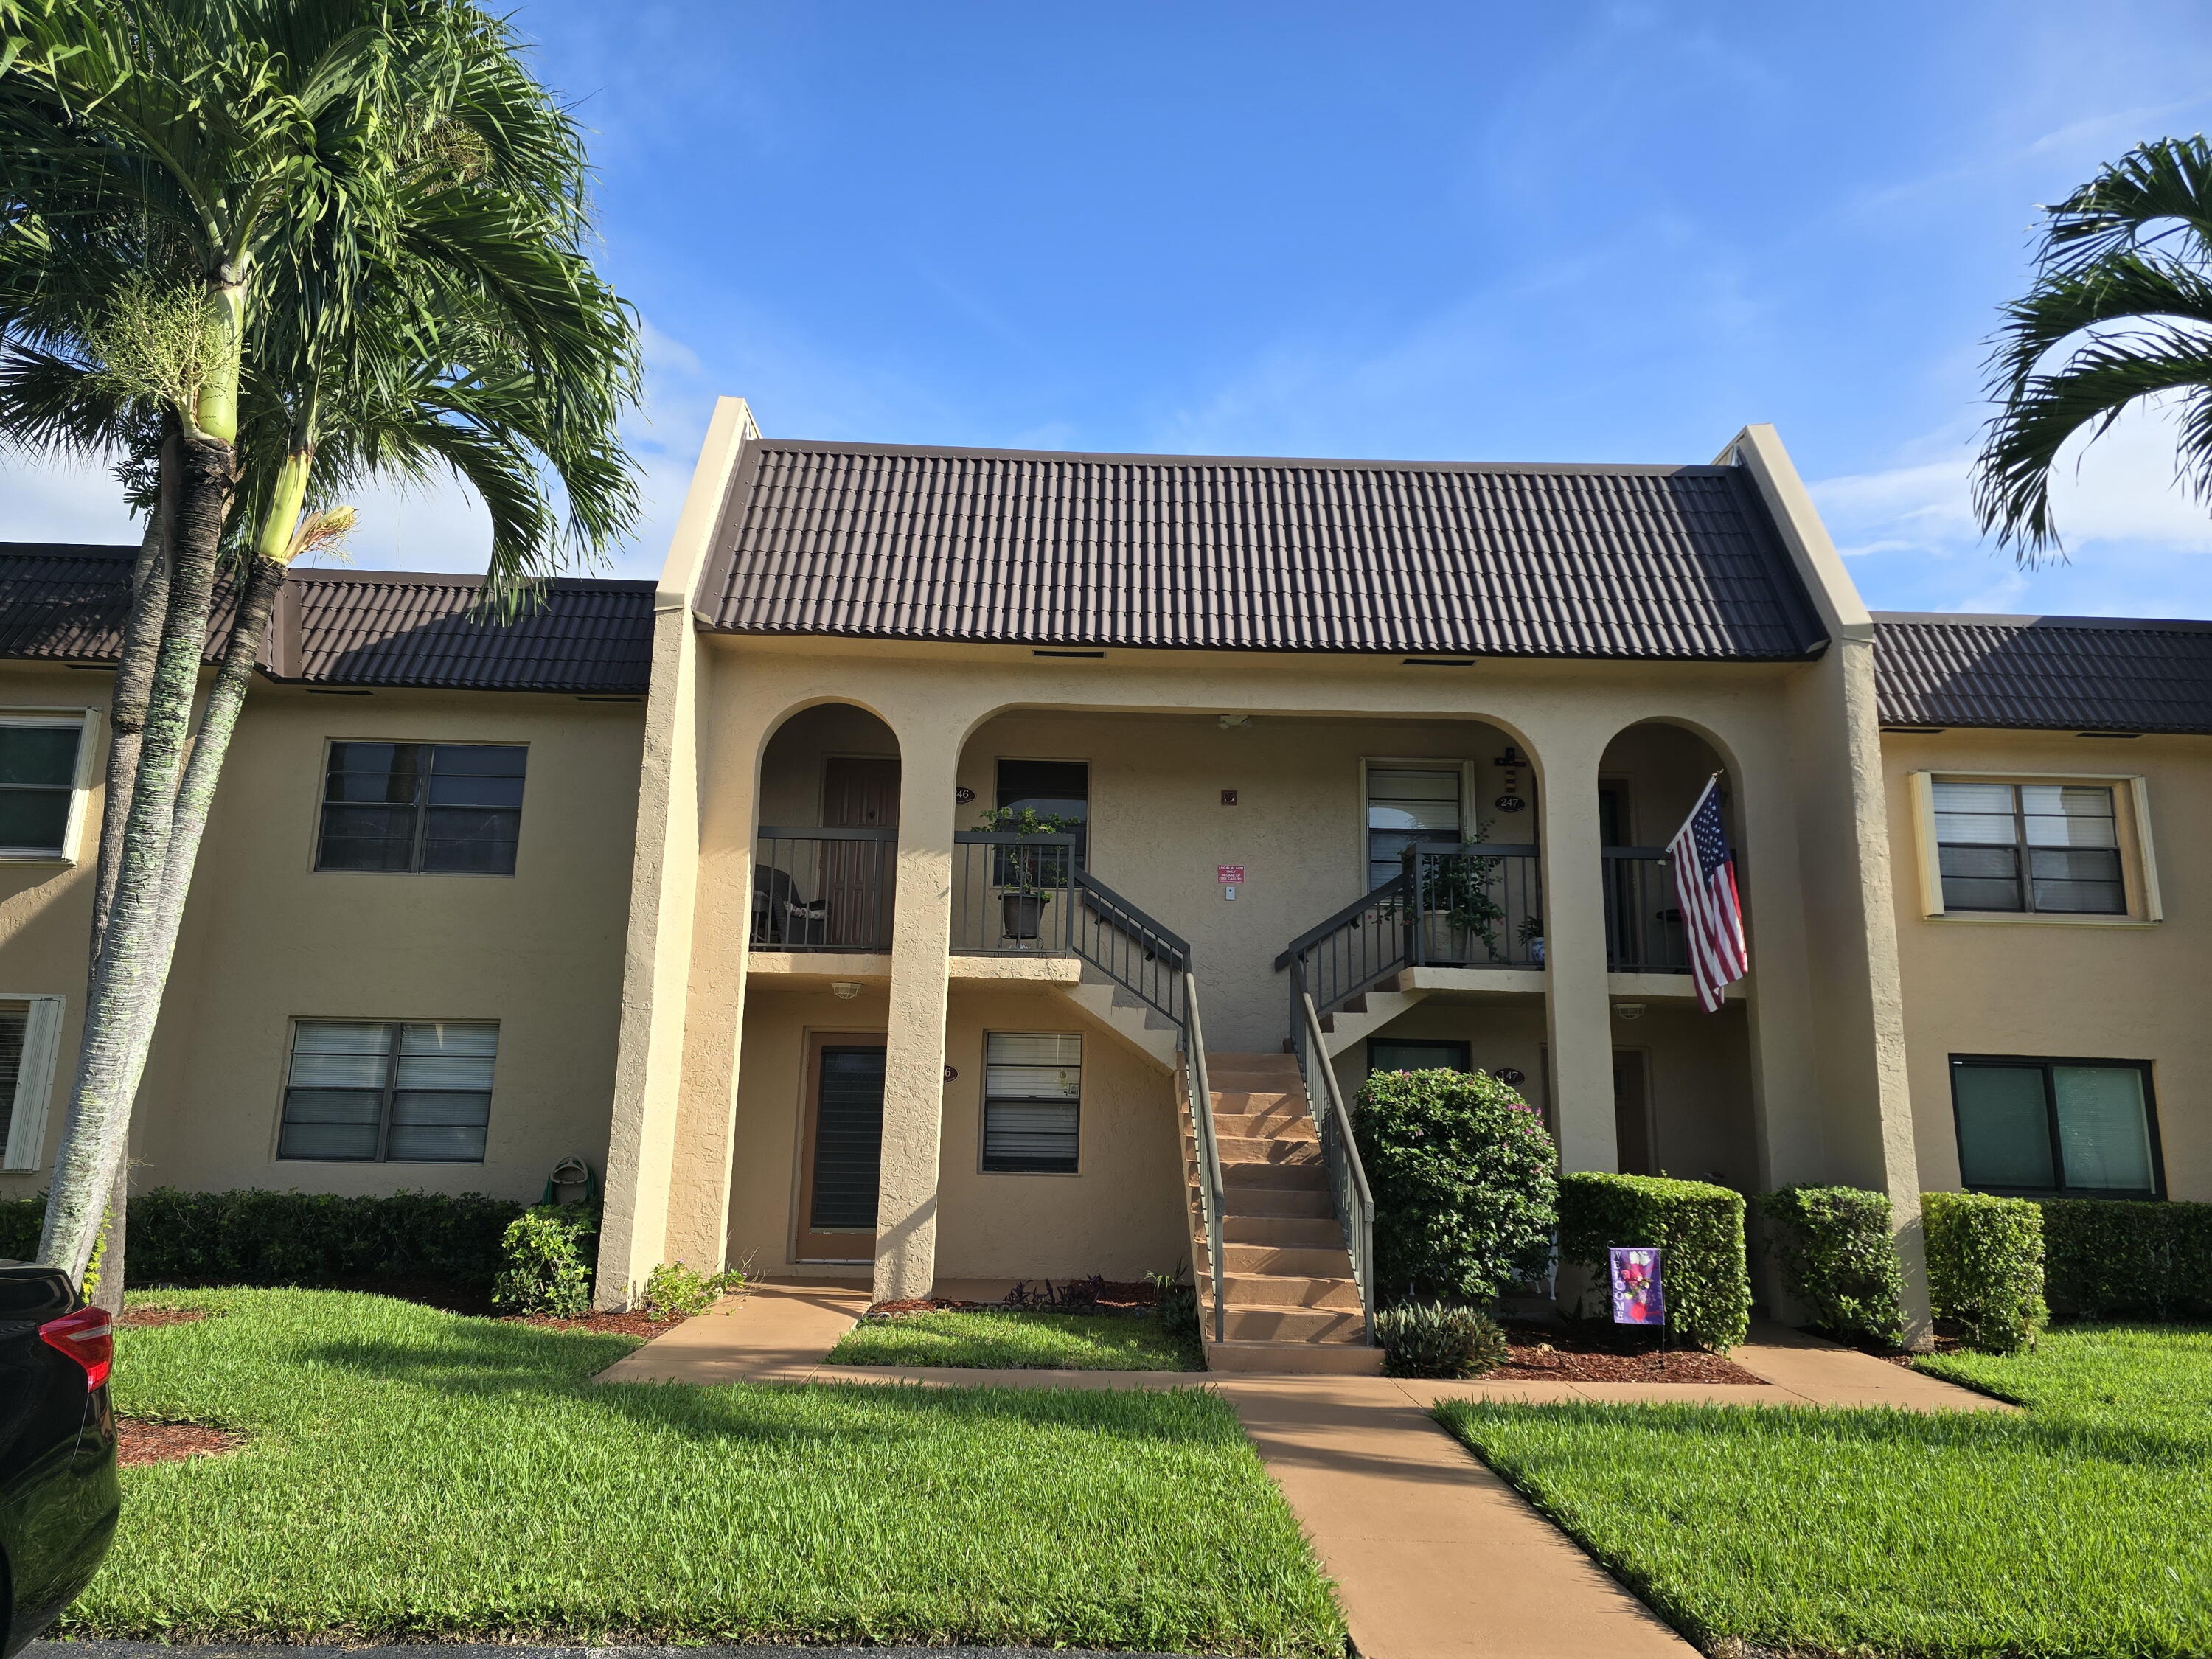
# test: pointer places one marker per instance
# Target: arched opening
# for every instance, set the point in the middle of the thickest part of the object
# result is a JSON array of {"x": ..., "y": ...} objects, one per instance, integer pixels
[
  {"x": 1682, "y": 1090},
  {"x": 827, "y": 841}
]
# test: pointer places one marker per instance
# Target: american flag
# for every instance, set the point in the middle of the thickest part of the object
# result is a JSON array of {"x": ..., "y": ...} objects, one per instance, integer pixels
[{"x": 1704, "y": 884}]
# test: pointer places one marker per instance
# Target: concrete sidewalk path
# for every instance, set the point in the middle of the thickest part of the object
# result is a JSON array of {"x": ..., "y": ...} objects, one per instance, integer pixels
[
  {"x": 768, "y": 1334},
  {"x": 1434, "y": 1556}
]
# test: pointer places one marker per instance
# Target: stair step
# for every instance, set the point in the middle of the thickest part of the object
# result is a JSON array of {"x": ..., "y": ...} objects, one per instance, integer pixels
[
  {"x": 1257, "y": 1100},
  {"x": 1307, "y": 1176},
  {"x": 1319, "y": 1230},
  {"x": 1276, "y": 1201},
  {"x": 1238, "y": 1149},
  {"x": 1296, "y": 1261},
  {"x": 1287, "y": 1290},
  {"x": 1294, "y": 1358},
  {"x": 1266, "y": 1324},
  {"x": 1241, "y": 1127}
]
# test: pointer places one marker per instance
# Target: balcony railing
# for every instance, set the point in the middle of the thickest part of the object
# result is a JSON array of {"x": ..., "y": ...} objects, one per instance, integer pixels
[
  {"x": 1475, "y": 906},
  {"x": 824, "y": 889},
  {"x": 1013, "y": 894},
  {"x": 1642, "y": 915}
]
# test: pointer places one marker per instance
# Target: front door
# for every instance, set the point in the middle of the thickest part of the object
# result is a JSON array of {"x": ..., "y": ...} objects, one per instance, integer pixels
[
  {"x": 858, "y": 792},
  {"x": 843, "y": 1150}
]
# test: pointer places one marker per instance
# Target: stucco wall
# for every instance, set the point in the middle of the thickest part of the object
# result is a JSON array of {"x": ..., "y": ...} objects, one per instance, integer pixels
[
  {"x": 45, "y": 908},
  {"x": 1119, "y": 1215},
  {"x": 2055, "y": 988},
  {"x": 267, "y": 938}
]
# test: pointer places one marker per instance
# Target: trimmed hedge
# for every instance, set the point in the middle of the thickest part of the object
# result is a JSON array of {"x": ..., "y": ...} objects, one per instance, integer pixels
[
  {"x": 1699, "y": 1229},
  {"x": 2106, "y": 1258},
  {"x": 1985, "y": 1267},
  {"x": 1466, "y": 1184},
  {"x": 252, "y": 1236},
  {"x": 1839, "y": 1253}
]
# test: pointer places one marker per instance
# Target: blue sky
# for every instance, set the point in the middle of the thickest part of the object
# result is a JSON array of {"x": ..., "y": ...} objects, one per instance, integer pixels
[{"x": 1456, "y": 231}]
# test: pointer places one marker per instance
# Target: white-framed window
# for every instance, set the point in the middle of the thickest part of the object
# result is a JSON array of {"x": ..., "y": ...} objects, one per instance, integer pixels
[
  {"x": 30, "y": 1042},
  {"x": 1032, "y": 1103},
  {"x": 1410, "y": 803},
  {"x": 2054, "y": 847},
  {"x": 397, "y": 1091},
  {"x": 44, "y": 758}
]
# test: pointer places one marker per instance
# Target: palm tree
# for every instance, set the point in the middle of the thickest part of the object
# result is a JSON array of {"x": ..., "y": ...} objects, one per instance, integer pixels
[
  {"x": 2120, "y": 311},
  {"x": 357, "y": 228}
]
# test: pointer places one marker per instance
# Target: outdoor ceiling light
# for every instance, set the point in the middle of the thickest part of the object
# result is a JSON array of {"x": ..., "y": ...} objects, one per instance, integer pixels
[
  {"x": 1629, "y": 1009},
  {"x": 844, "y": 989},
  {"x": 1231, "y": 722}
]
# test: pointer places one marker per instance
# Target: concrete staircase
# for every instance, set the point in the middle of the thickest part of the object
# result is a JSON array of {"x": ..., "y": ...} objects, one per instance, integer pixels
[
  {"x": 1150, "y": 1033},
  {"x": 1293, "y": 1305},
  {"x": 1367, "y": 1012}
]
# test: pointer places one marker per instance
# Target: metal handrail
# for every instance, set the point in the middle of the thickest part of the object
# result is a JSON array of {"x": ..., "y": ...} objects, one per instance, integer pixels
[
  {"x": 786, "y": 832},
  {"x": 1358, "y": 906},
  {"x": 1339, "y": 1151},
  {"x": 1211, "y": 1197}
]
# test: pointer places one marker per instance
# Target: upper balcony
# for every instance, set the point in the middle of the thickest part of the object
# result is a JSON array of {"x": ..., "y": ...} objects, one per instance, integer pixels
[{"x": 1233, "y": 837}]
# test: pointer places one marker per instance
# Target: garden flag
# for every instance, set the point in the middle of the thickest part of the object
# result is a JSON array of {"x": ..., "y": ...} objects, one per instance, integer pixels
[
  {"x": 1704, "y": 885},
  {"x": 1636, "y": 1297}
]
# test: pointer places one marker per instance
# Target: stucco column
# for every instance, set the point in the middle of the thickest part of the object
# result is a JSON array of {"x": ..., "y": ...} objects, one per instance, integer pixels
[
  {"x": 913, "y": 1043},
  {"x": 1578, "y": 1011}
]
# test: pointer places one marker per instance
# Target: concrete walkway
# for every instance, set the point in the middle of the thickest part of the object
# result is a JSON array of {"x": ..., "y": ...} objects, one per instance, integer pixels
[{"x": 1434, "y": 1556}]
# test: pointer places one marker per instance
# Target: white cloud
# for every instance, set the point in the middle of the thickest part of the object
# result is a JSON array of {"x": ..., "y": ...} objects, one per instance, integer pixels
[
  {"x": 2135, "y": 540},
  {"x": 62, "y": 501}
]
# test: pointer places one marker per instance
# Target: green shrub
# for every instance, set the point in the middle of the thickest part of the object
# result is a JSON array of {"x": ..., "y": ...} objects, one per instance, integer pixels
[
  {"x": 2113, "y": 1258},
  {"x": 1465, "y": 1182},
  {"x": 549, "y": 1250},
  {"x": 674, "y": 1289},
  {"x": 1433, "y": 1339},
  {"x": 1699, "y": 1230},
  {"x": 1176, "y": 1307},
  {"x": 255, "y": 1236},
  {"x": 1985, "y": 1267},
  {"x": 21, "y": 1220},
  {"x": 1838, "y": 1252}
]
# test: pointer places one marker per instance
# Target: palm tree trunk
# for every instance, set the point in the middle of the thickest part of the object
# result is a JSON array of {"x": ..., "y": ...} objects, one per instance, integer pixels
[
  {"x": 134, "y": 684},
  {"x": 196, "y": 795},
  {"x": 126, "y": 726},
  {"x": 129, "y": 973}
]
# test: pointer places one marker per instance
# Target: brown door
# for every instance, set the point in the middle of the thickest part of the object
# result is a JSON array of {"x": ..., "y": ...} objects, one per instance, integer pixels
[
  {"x": 1631, "y": 1112},
  {"x": 844, "y": 1147},
  {"x": 858, "y": 793}
]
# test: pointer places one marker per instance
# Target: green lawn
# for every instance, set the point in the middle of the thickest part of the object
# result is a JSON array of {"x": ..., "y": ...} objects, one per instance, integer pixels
[
  {"x": 414, "y": 1474},
  {"x": 2082, "y": 1526},
  {"x": 1015, "y": 1340}
]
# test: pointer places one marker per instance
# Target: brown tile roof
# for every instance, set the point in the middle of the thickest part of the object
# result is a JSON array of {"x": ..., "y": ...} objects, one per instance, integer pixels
[
  {"x": 1040, "y": 548},
  {"x": 2044, "y": 673},
  {"x": 364, "y": 627}
]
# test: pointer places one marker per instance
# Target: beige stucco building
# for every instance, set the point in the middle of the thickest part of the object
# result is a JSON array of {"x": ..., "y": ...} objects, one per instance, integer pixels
[{"x": 695, "y": 881}]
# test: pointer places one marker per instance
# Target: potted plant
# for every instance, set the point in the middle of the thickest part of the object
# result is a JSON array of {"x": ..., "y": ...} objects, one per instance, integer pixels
[
  {"x": 1452, "y": 896},
  {"x": 1025, "y": 874}
]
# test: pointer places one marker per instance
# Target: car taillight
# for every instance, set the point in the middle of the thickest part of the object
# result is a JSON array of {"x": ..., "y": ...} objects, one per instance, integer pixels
[{"x": 88, "y": 1336}]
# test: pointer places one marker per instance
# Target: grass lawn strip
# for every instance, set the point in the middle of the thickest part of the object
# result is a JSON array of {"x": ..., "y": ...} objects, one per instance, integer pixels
[
  {"x": 412, "y": 1475},
  {"x": 2081, "y": 1525},
  {"x": 1014, "y": 1341}
]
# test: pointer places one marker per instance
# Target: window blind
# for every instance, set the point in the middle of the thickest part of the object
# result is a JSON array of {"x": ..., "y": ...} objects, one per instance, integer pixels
[{"x": 1032, "y": 1103}]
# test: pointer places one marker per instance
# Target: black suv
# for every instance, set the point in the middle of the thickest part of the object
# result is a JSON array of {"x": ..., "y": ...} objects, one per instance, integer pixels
[{"x": 59, "y": 1496}]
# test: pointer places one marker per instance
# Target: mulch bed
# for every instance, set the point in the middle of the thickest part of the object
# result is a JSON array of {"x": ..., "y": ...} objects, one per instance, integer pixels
[
  {"x": 622, "y": 1324},
  {"x": 139, "y": 1440},
  {"x": 1074, "y": 1296},
  {"x": 163, "y": 1315},
  {"x": 1576, "y": 1354}
]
